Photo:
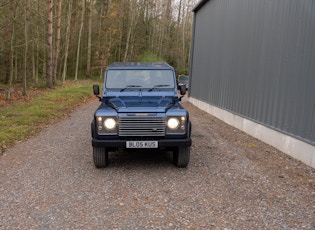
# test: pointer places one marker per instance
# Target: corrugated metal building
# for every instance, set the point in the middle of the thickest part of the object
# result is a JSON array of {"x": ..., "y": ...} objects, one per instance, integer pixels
[{"x": 253, "y": 63}]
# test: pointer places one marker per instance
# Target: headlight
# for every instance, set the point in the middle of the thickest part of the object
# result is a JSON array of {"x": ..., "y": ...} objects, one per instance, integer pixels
[
  {"x": 109, "y": 123},
  {"x": 106, "y": 125},
  {"x": 173, "y": 123},
  {"x": 176, "y": 125}
]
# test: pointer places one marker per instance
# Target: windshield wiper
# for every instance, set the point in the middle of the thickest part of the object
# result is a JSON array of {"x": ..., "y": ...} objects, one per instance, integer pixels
[
  {"x": 157, "y": 86},
  {"x": 130, "y": 87}
]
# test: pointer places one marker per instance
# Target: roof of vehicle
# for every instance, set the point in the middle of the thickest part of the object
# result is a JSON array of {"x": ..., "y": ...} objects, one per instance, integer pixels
[
  {"x": 140, "y": 65},
  {"x": 181, "y": 77}
]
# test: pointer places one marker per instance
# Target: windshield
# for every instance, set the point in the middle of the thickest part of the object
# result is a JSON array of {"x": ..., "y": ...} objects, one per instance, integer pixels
[
  {"x": 121, "y": 79},
  {"x": 183, "y": 78}
]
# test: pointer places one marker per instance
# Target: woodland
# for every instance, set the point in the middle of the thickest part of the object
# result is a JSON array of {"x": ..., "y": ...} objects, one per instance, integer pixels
[{"x": 46, "y": 42}]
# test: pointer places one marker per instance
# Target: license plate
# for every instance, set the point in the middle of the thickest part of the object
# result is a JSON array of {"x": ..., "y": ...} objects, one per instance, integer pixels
[{"x": 141, "y": 144}]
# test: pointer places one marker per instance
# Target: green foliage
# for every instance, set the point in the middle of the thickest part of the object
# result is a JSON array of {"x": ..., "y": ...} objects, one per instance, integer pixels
[
  {"x": 97, "y": 78},
  {"x": 149, "y": 57},
  {"x": 22, "y": 119},
  {"x": 183, "y": 71}
]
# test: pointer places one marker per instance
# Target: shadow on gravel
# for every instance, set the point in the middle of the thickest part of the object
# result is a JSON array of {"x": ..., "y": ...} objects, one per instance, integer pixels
[{"x": 140, "y": 158}]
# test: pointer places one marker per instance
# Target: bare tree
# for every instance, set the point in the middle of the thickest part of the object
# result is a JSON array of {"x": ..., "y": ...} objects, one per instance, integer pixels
[
  {"x": 131, "y": 22},
  {"x": 89, "y": 51},
  {"x": 57, "y": 40},
  {"x": 26, "y": 53},
  {"x": 49, "y": 75},
  {"x": 11, "y": 56},
  {"x": 79, "y": 40},
  {"x": 178, "y": 37},
  {"x": 64, "y": 73}
]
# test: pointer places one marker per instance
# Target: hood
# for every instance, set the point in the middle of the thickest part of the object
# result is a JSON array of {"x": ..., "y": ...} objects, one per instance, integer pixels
[{"x": 140, "y": 104}]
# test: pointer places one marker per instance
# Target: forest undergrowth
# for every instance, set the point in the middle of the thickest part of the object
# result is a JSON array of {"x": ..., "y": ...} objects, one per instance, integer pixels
[{"x": 24, "y": 116}]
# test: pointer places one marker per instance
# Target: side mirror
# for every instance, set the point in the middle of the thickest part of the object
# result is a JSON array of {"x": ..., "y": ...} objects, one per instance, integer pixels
[
  {"x": 182, "y": 90},
  {"x": 96, "y": 90}
]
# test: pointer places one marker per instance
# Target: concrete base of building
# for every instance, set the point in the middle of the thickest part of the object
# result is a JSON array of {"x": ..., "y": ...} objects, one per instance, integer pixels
[{"x": 296, "y": 148}]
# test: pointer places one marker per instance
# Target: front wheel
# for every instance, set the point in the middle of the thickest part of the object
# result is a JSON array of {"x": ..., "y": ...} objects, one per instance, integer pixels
[
  {"x": 100, "y": 157},
  {"x": 181, "y": 156}
]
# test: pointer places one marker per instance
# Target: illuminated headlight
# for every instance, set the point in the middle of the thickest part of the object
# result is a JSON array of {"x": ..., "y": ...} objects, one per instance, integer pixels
[
  {"x": 176, "y": 125},
  {"x": 109, "y": 124},
  {"x": 106, "y": 125},
  {"x": 173, "y": 123}
]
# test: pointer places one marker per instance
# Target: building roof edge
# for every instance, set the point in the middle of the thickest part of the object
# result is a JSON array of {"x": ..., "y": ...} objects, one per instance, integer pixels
[{"x": 199, "y": 5}]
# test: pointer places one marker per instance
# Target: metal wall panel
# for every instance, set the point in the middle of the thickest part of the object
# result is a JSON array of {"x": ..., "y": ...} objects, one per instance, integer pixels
[{"x": 256, "y": 58}]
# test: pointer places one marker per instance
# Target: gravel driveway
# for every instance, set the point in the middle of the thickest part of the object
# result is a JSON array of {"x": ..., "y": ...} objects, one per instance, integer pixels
[{"x": 233, "y": 181}]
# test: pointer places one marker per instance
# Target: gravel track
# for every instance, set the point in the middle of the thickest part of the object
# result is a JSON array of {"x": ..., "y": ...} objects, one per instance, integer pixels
[{"x": 233, "y": 181}]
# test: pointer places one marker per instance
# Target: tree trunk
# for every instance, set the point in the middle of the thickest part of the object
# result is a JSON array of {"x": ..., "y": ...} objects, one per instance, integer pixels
[
  {"x": 167, "y": 44},
  {"x": 79, "y": 42},
  {"x": 57, "y": 40},
  {"x": 49, "y": 74},
  {"x": 36, "y": 51},
  {"x": 130, "y": 28},
  {"x": 34, "y": 62},
  {"x": 178, "y": 39},
  {"x": 64, "y": 73},
  {"x": 26, "y": 30},
  {"x": 88, "y": 62},
  {"x": 11, "y": 56}
]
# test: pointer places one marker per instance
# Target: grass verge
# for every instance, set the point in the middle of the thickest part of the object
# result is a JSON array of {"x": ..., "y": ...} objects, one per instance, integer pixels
[{"x": 21, "y": 120}]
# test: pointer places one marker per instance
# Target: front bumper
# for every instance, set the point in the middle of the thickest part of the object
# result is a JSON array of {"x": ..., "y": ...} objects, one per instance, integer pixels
[{"x": 162, "y": 143}]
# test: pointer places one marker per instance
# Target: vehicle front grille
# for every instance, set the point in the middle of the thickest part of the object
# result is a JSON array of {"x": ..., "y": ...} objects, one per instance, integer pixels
[{"x": 141, "y": 126}]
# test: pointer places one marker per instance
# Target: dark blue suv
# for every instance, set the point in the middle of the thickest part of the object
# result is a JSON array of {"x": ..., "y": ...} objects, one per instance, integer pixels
[{"x": 140, "y": 109}]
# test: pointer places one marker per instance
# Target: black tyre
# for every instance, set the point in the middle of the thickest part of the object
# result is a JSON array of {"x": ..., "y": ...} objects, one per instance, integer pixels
[
  {"x": 100, "y": 157},
  {"x": 181, "y": 156},
  {"x": 92, "y": 129}
]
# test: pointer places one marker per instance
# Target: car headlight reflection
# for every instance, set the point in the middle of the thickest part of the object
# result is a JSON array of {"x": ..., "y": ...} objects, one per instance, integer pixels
[
  {"x": 109, "y": 123},
  {"x": 173, "y": 123}
]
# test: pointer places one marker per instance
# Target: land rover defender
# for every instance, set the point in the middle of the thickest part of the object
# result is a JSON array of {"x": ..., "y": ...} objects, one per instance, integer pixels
[{"x": 140, "y": 109}]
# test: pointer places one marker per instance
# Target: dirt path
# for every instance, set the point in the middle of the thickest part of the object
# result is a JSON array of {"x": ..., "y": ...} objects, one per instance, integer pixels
[{"x": 233, "y": 181}]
